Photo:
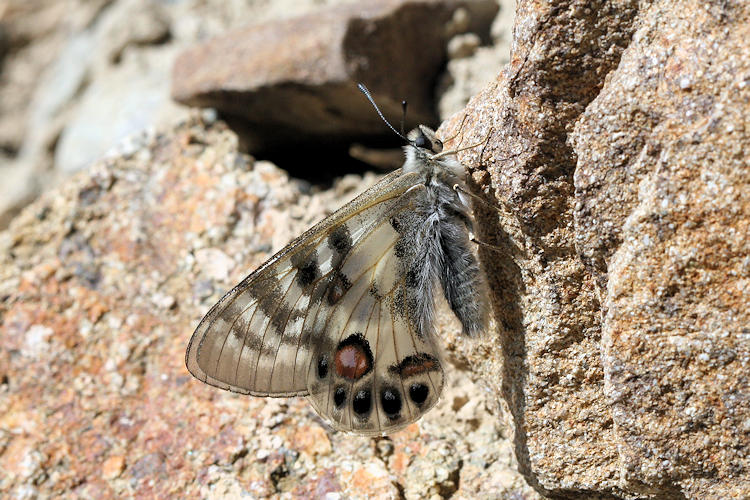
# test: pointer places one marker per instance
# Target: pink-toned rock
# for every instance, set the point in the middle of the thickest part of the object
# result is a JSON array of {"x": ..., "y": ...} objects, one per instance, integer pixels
[
  {"x": 370, "y": 480},
  {"x": 296, "y": 79},
  {"x": 113, "y": 467},
  {"x": 617, "y": 160},
  {"x": 312, "y": 440},
  {"x": 96, "y": 398}
]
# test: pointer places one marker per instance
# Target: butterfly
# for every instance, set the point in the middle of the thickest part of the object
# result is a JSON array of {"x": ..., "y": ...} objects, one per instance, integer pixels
[{"x": 344, "y": 314}]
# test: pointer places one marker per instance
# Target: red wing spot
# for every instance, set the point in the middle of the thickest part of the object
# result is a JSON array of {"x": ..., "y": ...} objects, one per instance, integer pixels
[
  {"x": 336, "y": 293},
  {"x": 416, "y": 365},
  {"x": 351, "y": 362},
  {"x": 416, "y": 369},
  {"x": 339, "y": 285}
]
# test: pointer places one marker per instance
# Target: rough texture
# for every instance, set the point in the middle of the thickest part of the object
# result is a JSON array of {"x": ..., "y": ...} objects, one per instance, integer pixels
[
  {"x": 79, "y": 76},
  {"x": 615, "y": 154},
  {"x": 101, "y": 284},
  {"x": 617, "y": 160},
  {"x": 470, "y": 67},
  {"x": 296, "y": 79},
  {"x": 663, "y": 220}
]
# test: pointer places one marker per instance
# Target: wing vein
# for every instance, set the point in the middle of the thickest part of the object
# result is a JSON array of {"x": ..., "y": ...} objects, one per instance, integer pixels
[
  {"x": 395, "y": 348},
  {"x": 377, "y": 345},
  {"x": 265, "y": 331},
  {"x": 341, "y": 334},
  {"x": 281, "y": 338},
  {"x": 220, "y": 313}
]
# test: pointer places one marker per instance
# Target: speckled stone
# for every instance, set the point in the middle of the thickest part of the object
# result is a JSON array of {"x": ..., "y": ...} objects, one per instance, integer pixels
[
  {"x": 616, "y": 155},
  {"x": 102, "y": 282},
  {"x": 294, "y": 80},
  {"x": 663, "y": 219}
]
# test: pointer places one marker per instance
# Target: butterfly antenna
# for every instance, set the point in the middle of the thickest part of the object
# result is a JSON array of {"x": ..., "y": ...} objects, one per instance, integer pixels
[
  {"x": 367, "y": 94},
  {"x": 403, "y": 115}
]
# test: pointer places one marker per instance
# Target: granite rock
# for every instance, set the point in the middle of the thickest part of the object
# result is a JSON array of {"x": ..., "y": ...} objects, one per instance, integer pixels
[
  {"x": 102, "y": 282},
  {"x": 296, "y": 79},
  {"x": 615, "y": 162}
]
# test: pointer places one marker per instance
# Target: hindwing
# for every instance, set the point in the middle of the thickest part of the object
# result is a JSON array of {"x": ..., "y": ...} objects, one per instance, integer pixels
[{"x": 257, "y": 339}]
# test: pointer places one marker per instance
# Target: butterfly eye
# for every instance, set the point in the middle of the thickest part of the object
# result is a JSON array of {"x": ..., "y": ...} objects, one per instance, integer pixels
[
  {"x": 438, "y": 147},
  {"x": 421, "y": 141}
]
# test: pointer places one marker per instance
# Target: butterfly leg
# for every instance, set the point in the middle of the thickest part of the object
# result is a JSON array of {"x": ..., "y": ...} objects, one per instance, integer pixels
[
  {"x": 485, "y": 245},
  {"x": 470, "y": 146},
  {"x": 460, "y": 128},
  {"x": 461, "y": 191}
]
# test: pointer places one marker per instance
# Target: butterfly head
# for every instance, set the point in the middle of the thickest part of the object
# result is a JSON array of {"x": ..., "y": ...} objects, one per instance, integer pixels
[
  {"x": 424, "y": 154},
  {"x": 424, "y": 138}
]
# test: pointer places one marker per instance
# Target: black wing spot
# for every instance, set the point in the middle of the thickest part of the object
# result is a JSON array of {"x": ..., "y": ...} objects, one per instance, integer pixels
[
  {"x": 362, "y": 403},
  {"x": 390, "y": 400},
  {"x": 322, "y": 367},
  {"x": 418, "y": 393},
  {"x": 308, "y": 272},
  {"x": 340, "y": 240},
  {"x": 395, "y": 224},
  {"x": 340, "y": 284},
  {"x": 339, "y": 396}
]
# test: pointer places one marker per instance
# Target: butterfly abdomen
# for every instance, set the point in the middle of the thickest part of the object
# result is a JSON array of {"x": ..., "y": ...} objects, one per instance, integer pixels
[
  {"x": 435, "y": 248},
  {"x": 462, "y": 280}
]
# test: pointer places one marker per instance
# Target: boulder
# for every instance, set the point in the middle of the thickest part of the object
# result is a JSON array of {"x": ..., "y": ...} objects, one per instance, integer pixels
[
  {"x": 617, "y": 166},
  {"x": 295, "y": 79}
]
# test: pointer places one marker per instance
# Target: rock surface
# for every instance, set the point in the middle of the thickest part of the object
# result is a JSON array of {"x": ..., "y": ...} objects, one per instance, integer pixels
[
  {"x": 297, "y": 78},
  {"x": 616, "y": 157},
  {"x": 79, "y": 76},
  {"x": 101, "y": 284},
  {"x": 617, "y": 160}
]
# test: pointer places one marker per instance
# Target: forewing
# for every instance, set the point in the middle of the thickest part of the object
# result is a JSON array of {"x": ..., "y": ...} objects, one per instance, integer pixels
[
  {"x": 372, "y": 372},
  {"x": 254, "y": 340}
]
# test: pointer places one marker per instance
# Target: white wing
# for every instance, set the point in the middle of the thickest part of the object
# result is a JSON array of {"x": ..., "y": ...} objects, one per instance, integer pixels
[
  {"x": 372, "y": 372},
  {"x": 258, "y": 338}
]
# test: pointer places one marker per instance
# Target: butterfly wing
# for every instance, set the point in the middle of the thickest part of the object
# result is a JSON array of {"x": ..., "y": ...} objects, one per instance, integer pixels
[
  {"x": 374, "y": 371},
  {"x": 257, "y": 338}
]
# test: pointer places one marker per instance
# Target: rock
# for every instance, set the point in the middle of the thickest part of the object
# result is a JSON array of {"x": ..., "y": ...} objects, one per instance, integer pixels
[
  {"x": 461, "y": 46},
  {"x": 19, "y": 187},
  {"x": 296, "y": 79},
  {"x": 472, "y": 66},
  {"x": 113, "y": 467},
  {"x": 35, "y": 33},
  {"x": 130, "y": 98},
  {"x": 80, "y": 75},
  {"x": 100, "y": 290},
  {"x": 68, "y": 53},
  {"x": 663, "y": 223},
  {"x": 4, "y": 43},
  {"x": 616, "y": 162}
]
